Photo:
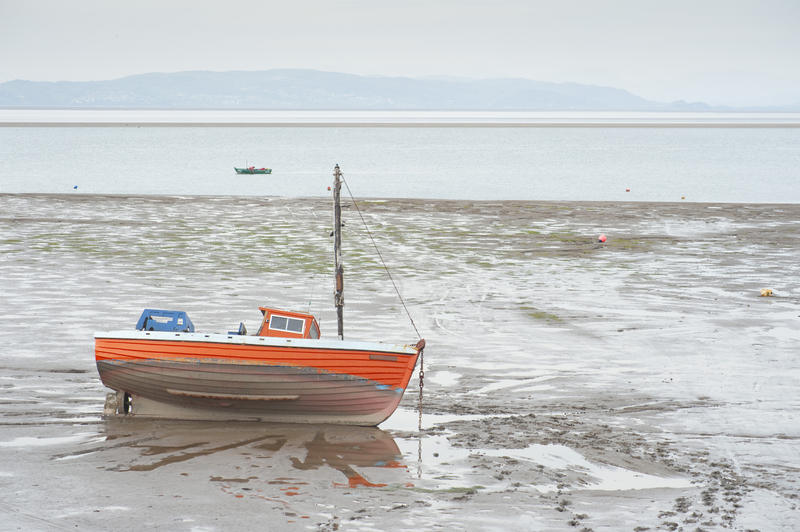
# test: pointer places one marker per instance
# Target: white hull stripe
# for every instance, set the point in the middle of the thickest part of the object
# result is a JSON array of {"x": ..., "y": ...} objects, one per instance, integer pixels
[{"x": 272, "y": 341}]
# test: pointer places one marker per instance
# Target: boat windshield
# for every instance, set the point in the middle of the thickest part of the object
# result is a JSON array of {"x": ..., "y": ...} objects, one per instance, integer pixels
[{"x": 285, "y": 323}]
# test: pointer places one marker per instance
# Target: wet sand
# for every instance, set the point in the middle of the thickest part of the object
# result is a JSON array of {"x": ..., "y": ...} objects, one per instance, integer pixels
[{"x": 640, "y": 384}]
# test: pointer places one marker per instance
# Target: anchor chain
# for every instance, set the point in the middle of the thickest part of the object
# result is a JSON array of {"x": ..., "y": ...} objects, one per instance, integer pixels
[
  {"x": 419, "y": 424},
  {"x": 421, "y": 385}
]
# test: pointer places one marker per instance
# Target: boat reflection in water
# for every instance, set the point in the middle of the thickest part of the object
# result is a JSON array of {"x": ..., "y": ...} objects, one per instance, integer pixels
[{"x": 294, "y": 455}]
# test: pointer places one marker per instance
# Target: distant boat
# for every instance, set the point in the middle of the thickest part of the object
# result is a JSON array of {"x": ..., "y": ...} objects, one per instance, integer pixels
[
  {"x": 253, "y": 170},
  {"x": 284, "y": 373}
]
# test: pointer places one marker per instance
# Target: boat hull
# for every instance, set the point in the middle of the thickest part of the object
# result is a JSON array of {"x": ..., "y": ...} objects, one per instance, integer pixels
[
  {"x": 197, "y": 376},
  {"x": 253, "y": 170}
]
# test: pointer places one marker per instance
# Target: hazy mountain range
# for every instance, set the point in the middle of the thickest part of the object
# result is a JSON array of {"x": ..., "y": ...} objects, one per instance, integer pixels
[{"x": 311, "y": 89}]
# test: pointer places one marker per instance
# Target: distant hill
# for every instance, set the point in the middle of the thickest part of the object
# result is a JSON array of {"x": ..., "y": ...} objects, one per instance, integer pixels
[{"x": 311, "y": 89}]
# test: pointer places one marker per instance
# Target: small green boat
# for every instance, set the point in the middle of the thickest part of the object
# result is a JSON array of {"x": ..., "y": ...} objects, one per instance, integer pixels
[{"x": 253, "y": 170}]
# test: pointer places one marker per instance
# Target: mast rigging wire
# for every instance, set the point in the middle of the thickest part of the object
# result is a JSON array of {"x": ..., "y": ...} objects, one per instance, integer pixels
[{"x": 381, "y": 258}]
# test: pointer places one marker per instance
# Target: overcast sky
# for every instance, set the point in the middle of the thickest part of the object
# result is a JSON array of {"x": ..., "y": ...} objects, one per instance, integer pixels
[{"x": 723, "y": 52}]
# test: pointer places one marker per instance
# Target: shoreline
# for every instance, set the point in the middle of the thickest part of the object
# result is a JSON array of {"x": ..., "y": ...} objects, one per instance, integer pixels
[
  {"x": 427, "y": 124},
  {"x": 371, "y": 199},
  {"x": 389, "y": 118}
]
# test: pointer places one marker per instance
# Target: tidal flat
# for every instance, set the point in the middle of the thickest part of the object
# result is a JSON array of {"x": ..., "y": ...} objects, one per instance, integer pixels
[{"x": 638, "y": 384}]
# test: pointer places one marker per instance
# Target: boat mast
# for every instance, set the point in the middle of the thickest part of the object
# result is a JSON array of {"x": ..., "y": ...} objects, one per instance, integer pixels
[{"x": 338, "y": 294}]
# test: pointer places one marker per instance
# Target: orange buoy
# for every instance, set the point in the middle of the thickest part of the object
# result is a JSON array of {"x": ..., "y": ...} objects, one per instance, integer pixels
[{"x": 627, "y": 190}]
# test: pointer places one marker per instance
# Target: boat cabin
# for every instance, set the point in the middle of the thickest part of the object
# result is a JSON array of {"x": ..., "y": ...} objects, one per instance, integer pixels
[{"x": 288, "y": 324}]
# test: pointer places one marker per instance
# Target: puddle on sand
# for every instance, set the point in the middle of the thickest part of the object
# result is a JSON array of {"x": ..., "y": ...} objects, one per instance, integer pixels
[
  {"x": 600, "y": 476},
  {"x": 286, "y": 451},
  {"x": 27, "y": 442},
  {"x": 437, "y": 465},
  {"x": 434, "y": 463},
  {"x": 408, "y": 421}
]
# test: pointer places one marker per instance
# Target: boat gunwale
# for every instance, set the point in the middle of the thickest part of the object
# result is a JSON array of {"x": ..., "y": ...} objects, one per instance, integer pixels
[{"x": 255, "y": 341}]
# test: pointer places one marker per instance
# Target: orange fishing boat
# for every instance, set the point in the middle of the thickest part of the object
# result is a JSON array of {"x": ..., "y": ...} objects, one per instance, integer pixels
[{"x": 284, "y": 373}]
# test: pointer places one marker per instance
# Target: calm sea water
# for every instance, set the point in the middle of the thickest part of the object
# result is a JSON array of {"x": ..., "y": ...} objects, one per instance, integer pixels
[{"x": 701, "y": 164}]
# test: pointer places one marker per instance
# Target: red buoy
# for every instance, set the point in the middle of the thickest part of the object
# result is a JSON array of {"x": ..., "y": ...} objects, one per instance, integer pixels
[
  {"x": 627, "y": 190},
  {"x": 601, "y": 238}
]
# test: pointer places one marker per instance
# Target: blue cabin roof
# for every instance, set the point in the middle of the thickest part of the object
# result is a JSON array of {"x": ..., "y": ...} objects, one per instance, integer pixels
[{"x": 164, "y": 320}]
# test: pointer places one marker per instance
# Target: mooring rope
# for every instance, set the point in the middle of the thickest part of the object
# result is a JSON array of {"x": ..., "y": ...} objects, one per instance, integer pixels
[{"x": 381, "y": 258}]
